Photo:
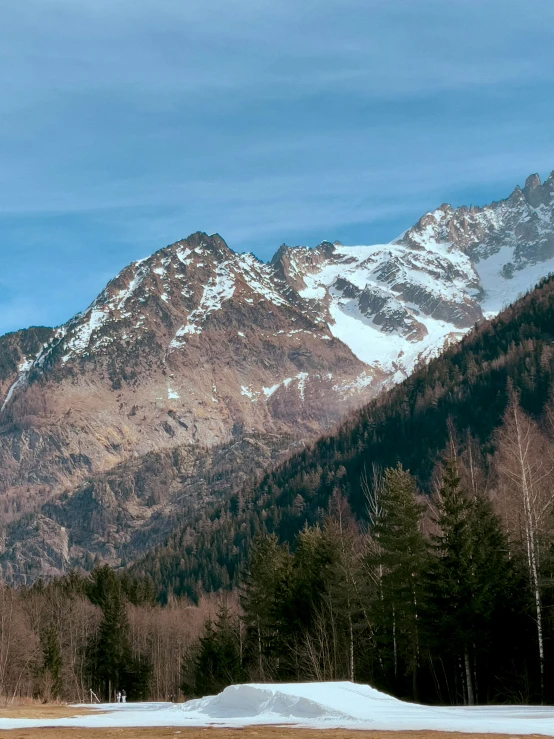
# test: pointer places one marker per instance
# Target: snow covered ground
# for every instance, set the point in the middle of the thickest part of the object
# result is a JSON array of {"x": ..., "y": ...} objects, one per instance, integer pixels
[{"x": 311, "y": 705}]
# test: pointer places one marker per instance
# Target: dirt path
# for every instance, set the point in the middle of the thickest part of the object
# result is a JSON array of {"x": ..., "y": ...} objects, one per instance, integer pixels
[{"x": 258, "y": 732}]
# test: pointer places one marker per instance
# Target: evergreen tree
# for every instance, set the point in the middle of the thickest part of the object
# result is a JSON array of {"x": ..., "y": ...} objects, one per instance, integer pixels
[
  {"x": 311, "y": 573},
  {"x": 136, "y": 673},
  {"x": 52, "y": 662},
  {"x": 398, "y": 560},
  {"x": 500, "y": 600},
  {"x": 218, "y": 663},
  {"x": 111, "y": 651},
  {"x": 450, "y": 594},
  {"x": 468, "y": 579},
  {"x": 265, "y": 591}
]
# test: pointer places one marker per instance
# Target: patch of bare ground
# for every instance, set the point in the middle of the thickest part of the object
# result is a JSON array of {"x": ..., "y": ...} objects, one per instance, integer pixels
[
  {"x": 259, "y": 732},
  {"x": 38, "y": 710}
]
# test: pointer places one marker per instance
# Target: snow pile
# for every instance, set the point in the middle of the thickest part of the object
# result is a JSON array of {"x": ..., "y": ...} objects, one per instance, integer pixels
[
  {"x": 337, "y": 703},
  {"x": 313, "y": 705}
]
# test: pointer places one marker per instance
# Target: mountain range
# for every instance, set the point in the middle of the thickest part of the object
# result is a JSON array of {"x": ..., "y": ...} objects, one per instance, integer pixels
[{"x": 207, "y": 365}]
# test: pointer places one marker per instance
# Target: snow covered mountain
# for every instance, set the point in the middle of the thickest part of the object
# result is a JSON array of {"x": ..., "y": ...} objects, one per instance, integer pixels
[
  {"x": 397, "y": 304},
  {"x": 198, "y": 345}
]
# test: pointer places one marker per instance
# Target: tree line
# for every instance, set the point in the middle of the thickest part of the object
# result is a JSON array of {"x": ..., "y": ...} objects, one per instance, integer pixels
[
  {"x": 441, "y": 595},
  {"x": 83, "y": 637},
  {"x": 443, "y": 598}
]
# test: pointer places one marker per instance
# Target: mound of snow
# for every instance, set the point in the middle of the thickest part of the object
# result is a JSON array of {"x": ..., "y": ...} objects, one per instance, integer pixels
[
  {"x": 348, "y": 705},
  {"x": 323, "y": 701}
]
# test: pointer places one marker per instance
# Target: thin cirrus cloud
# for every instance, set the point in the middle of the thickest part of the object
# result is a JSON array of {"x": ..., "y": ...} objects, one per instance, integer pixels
[{"x": 126, "y": 125}]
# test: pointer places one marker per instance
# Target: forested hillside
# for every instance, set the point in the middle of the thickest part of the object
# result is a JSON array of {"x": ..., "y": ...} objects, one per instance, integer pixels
[{"x": 465, "y": 391}]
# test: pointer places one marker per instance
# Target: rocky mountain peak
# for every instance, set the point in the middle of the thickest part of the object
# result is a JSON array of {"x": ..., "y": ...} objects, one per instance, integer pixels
[
  {"x": 202, "y": 243},
  {"x": 517, "y": 195},
  {"x": 523, "y": 223},
  {"x": 538, "y": 194},
  {"x": 531, "y": 183}
]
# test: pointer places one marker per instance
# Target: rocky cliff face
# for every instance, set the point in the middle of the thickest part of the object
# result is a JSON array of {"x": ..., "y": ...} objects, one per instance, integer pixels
[
  {"x": 520, "y": 227},
  {"x": 194, "y": 345},
  {"x": 117, "y": 516},
  {"x": 197, "y": 346}
]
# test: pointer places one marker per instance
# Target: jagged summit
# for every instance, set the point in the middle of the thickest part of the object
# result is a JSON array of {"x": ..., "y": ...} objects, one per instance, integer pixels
[{"x": 523, "y": 222}]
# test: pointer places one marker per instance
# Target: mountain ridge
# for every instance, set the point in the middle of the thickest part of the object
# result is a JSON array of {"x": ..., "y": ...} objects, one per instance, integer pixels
[{"x": 197, "y": 346}]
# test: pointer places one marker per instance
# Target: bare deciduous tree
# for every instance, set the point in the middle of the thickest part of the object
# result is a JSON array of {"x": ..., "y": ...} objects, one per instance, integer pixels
[{"x": 523, "y": 468}]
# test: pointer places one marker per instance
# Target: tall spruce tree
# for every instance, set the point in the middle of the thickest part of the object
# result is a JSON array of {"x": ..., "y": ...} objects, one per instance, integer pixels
[
  {"x": 500, "y": 598},
  {"x": 218, "y": 662},
  {"x": 265, "y": 594},
  {"x": 451, "y": 607},
  {"x": 468, "y": 578},
  {"x": 313, "y": 559},
  {"x": 52, "y": 662},
  {"x": 111, "y": 650},
  {"x": 398, "y": 560}
]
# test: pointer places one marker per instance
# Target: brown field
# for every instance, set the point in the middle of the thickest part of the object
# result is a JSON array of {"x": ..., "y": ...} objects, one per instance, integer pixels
[
  {"x": 257, "y": 732},
  {"x": 37, "y": 710}
]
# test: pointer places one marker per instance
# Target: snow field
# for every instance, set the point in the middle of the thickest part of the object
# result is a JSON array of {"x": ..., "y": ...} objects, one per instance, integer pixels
[{"x": 309, "y": 705}]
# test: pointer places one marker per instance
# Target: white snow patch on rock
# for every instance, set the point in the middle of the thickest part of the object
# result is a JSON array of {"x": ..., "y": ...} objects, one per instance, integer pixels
[
  {"x": 79, "y": 341},
  {"x": 247, "y": 392},
  {"x": 301, "y": 377}
]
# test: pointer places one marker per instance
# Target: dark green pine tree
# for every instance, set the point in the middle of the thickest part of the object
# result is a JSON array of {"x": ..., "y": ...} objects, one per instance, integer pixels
[
  {"x": 52, "y": 662},
  {"x": 500, "y": 600},
  {"x": 111, "y": 651},
  {"x": 451, "y": 608},
  {"x": 312, "y": 570},
  {"x": 218, "y": 663},
  {"x": 399, "y": 559},
  {"x": 468, "y": 580},
  {"x": 265, "y": 594}
]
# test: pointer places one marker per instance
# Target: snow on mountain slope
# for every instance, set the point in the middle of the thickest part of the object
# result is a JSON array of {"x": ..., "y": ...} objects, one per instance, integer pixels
[
  {"x": 193, "y": 345},
  {"x": 397, "y": 304},
  {"x": 392, "y": 306},
  {"x": 499, "y": 291}
]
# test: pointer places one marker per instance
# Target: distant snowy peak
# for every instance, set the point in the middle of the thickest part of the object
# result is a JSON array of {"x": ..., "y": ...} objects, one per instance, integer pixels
[
  {"x": 524, "y": 222},
  {"x": 177, "y": 291},
  {"x": 397, "y": 304}
]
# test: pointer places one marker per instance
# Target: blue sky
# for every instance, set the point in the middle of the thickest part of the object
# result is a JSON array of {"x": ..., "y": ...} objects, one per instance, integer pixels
[{"x": 128, "y": 124}]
